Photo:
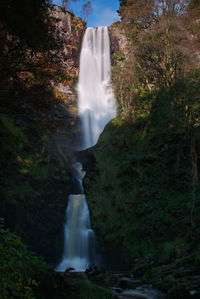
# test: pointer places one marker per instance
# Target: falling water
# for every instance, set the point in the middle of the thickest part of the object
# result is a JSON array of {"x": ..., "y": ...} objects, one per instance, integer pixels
[
  {"x": 96, "y": 105},
  {"x": 96, "y": 100},
  {"x": 78, "y": 235}
]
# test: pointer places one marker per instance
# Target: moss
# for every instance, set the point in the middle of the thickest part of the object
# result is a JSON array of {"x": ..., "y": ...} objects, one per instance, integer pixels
[
  {"x": 35, "y": 171},
  {"x": 89, "y": 290},
  {"x": 177, "y": 291}
]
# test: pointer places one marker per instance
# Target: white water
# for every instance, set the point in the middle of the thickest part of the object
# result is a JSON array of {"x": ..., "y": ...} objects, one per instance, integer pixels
[
  {"x": 96, "y": 100},
  {"x": 96, "y": 107},
  {"x": 78, "y": 235}
]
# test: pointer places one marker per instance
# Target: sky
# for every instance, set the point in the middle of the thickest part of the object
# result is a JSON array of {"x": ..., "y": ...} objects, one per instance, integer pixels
[{"x": 104, "y": 12}]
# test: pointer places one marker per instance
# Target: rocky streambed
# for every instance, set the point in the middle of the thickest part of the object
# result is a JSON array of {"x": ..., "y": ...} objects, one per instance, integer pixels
[
  {"x": 124, "y": 284},
  {"x": 176, "y": 280},
  {"x": 179, "y": 279}
]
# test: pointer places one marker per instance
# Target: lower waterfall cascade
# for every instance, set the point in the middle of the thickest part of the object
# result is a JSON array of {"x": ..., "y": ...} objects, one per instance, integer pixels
[
  {"x": 78, "y": 235},
  {"x": 96, "y": 105}
]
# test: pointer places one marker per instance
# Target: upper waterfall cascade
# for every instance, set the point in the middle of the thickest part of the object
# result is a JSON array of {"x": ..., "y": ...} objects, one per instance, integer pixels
[
  {"x": 97, "y": 107},
  {"x": 96, "y": 101}
]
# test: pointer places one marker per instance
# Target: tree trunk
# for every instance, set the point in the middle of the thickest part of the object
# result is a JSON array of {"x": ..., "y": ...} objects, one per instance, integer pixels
[
  {"x": 195, "y": 176},
  {"x": 64, "y": 3}
]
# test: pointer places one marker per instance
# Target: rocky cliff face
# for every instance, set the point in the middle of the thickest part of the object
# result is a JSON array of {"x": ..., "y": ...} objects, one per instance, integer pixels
[
  {"x": 37, "y": 168},
  {"x": 117, "y": 38},
  {"x": 71, "y": 29}
]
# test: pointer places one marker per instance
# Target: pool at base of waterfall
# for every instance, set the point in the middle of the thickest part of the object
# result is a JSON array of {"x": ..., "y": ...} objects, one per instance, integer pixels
[{"x": 78, "y": 264}]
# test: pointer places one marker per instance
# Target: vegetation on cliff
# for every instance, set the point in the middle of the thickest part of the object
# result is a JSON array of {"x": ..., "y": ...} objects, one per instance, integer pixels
[
  {"x": 36, "y": 53},
  {"x": 34, "y": 177},
  {"x": 144, "y": 193},
  {"x": 25, "y": 275}
]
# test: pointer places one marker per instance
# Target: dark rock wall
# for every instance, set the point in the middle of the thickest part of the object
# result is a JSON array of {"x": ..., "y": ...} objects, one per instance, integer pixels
[
  {"x": 36, "y": 175},
  {"x": 71, "y": 29},
  {"x": 117, "y": 38}
]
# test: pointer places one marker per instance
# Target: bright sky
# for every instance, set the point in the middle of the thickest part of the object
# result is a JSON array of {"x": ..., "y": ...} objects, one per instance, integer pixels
[{"x": 104, "y": 12}]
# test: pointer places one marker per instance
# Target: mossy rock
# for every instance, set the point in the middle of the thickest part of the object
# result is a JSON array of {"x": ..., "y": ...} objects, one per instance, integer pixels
[
  {"x": 86, "y": 289},
  {"x": 178, "y": 292}
]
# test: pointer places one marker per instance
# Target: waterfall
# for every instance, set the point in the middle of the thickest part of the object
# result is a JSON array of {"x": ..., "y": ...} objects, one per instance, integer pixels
[
  {"x": 78, "y": 235},
  {"x": 96, "y": 106},
  {"x": 96, "y": 101}
]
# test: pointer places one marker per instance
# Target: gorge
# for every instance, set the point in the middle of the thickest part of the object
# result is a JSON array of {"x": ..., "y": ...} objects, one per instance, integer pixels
[
  {"x": 142, "y": 171},
  {"x": 96, "y": 106}
]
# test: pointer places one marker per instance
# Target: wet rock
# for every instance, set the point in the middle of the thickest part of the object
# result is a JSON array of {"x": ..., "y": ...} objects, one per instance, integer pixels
[
  {"x": 143, "y": 292},
  {"x": 103, "y": 278},
  {"x": 94, "y": 271},
  {"x": 20, "y": 121},
  {"x": 131, "y": 294},
  {"x": 129, "y": 283},
  {"x": 140, "y": 269},
  {"x": 60, "y": 111}
]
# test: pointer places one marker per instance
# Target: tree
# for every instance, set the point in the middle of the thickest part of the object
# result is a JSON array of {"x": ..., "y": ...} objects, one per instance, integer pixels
[
  {"x": 86, "y": 10},
  {"x": 28, "y": 37},
  {"x": 20, "y": 269},
  {"x": 193, "y": 16},
  {"x": 28, "y": 21},
  {"x": 141, "y": 14},
  {"x": 164, "y": 53},
  {"x": 137, "y": 13},
  {"x": 64, "y": 3},
  {"x": 163, "y": 47},
  {"x": 125, "y": 83}
]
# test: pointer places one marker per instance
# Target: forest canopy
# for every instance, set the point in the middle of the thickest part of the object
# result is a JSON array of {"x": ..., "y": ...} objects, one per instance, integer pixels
[{"x": 144, "y": 193}]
